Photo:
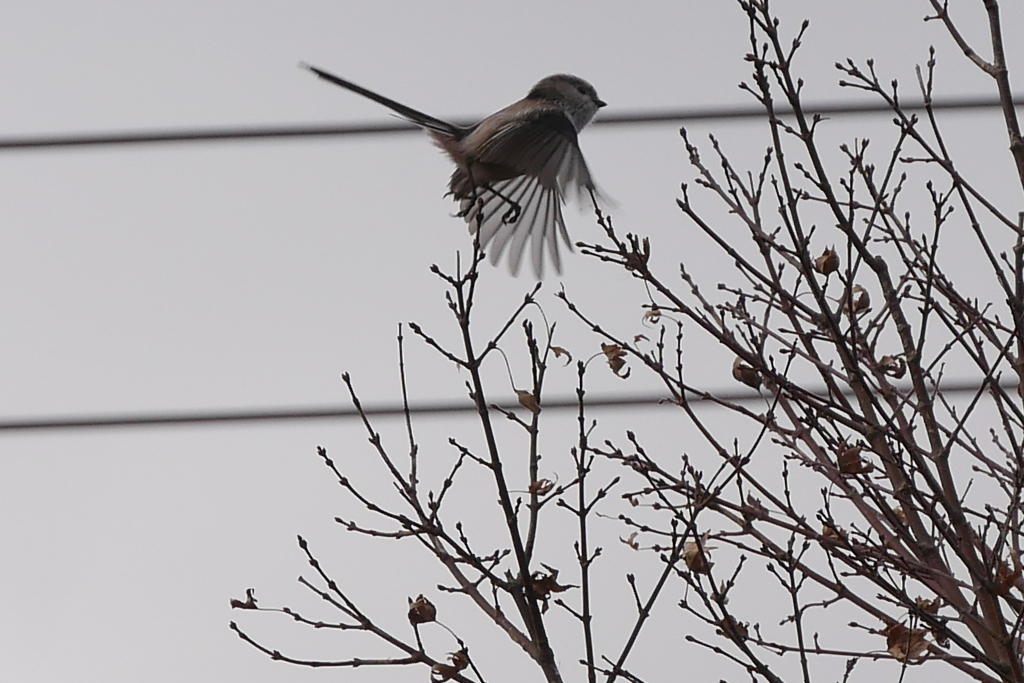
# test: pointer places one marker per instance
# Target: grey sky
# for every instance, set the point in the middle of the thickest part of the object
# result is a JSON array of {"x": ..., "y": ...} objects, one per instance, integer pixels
[{"x": 251, "y": 274}]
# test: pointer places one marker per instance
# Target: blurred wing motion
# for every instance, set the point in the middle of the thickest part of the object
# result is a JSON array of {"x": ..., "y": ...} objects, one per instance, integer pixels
[
  {"x": 513, "y": 170},
  {"x": 540, "y": 161}
]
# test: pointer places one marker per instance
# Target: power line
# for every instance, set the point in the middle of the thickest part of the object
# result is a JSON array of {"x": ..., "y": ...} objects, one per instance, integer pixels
[
  {"x": 337, "y": 130},
  {"x": 331, "y": 130},
  {"x": 286, "y": 414},
  {"x": 34, "y": 424}
]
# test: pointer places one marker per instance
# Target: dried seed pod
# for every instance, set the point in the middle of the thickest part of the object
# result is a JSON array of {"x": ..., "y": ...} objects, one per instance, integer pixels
[
  {"x": 742, "y": 372},
  {"x": 528, "y": 400},
  {"x": 858, "y": 301},
  {"x": 906, "y": 644},
  {"x": 696, "y": 555},
  {"x": 616, "y": 356},
  {"x": 850, "y": 461},
  {"x": 828, "y": 262},
  {"x": 421, "y": 611}
]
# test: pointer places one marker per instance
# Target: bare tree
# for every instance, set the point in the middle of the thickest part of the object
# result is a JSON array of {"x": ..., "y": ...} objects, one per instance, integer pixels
[{"x": 913, "y": 523}]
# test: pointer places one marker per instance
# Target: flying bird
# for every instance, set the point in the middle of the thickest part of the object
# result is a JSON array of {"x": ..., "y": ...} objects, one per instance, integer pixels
[{"x": 514, "y": 168}]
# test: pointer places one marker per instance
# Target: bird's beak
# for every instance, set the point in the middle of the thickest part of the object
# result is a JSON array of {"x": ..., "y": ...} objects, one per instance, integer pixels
[{"x": 600, "y": 103}]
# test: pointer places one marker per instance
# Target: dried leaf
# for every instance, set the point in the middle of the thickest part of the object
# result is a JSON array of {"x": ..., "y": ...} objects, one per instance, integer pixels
[
  {"x": 696, "y": 555},
  {"x": 1006, "y": 577},
  {"x": 905, "y": 644},
  {"x": 248, "y": 603},
  {"x": 421, "y": 611},
  {"x": 631, "y": 541},
  {"x": 652, "y": 316},
  {"x": 442, "y": 672},
  {"x": 616, "y": 359},
  {"x": 858, "y": 301},
  {"x": 754, "y": 509},
  {"x": 637, "y": 338},
  {"x": 900, "y": 515},
  {"x": 832, "y": 533},
  {"x": 730, "y": 628},
  {"x": 930, "y": 606},
  {"x": 445, "y": 672},
  {"x": 460, "y": 659},
  {"x": 559, "y": 352},
  {"x": 894, "y": 366},
  {"x": 542, "y": 487},
  {"x": 528, "y": 400},
  {"x": 742, "y": 372},
  {"x": 850, "y": 461},
  {"x": 828, "y": 262},
  {"x": 546, "y": 584}
]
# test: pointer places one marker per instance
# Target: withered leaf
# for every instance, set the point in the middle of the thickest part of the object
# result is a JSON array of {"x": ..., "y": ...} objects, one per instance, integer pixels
[
  {"x": 528, "y": 400},
  {"x": 696, "y": 555},
  {"x": 248, "y": 603},
  {"x": 832, "y": 533},
  {"x": 1006, "y": 577},
  {"x": 421, "y": 610},
  {"x": 544, "y": 584},
  {"x": 542, "y": 487},
  {"x": 894, "y": 366},
  {"x": 460, "y": 659},
  {"x": 559, "y": 352},
  {"x": 445, "y": 672},
  {"x": 859, "y": 300},
  {"x": 754, "y": 509},
  {"x": 828, "y": 262},
  {"x": 850, "y": 461},
  {"x": 652, "y": 316},
  {"x": 930, "y": 606},
  {"x": 442, "y": 672},
  {"x": 742, "y": 372},
  {"x": 905, "y": 644},
  {"x": 730, "y": 628},
  {"x": 631, "y": 541},
  {"x": 616, "y": 359}
]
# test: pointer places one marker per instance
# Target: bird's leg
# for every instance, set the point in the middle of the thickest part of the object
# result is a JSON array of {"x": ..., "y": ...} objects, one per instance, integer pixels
[
  {"x": 476, "y": 201},
  {"x": 510, "y": 216},
  {"x": 514, "y": 209}
]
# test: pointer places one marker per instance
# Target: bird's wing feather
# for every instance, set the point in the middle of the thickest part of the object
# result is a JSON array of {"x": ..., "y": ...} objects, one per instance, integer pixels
[
  {"x": 527, "y": 209},
  {"x": 537, "y": 142},
  {"x": 533, "y": 217}
]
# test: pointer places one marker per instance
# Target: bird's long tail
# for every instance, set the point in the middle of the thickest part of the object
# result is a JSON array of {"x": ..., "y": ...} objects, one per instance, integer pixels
[{"x": 407, "y": 113}]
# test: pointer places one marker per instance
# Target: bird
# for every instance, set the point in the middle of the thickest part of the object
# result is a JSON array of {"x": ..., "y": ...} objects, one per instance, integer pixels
[{"x": 514, "y": 169}]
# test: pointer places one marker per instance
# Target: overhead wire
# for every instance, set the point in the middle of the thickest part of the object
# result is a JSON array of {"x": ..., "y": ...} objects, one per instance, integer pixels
[
  {"x": 253, "y": 133},
  {"x": 236, "y": 416},
  {"x": 320, "y": 130}
]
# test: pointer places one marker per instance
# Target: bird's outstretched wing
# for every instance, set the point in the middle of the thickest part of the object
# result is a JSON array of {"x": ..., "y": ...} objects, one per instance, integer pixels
[
  {"x": 517, "y": 212},
  {"x": 543, "y": 159}
]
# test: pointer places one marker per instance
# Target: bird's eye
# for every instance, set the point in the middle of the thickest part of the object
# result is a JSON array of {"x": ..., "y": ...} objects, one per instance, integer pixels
[{"x": 582, "y": 90}]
